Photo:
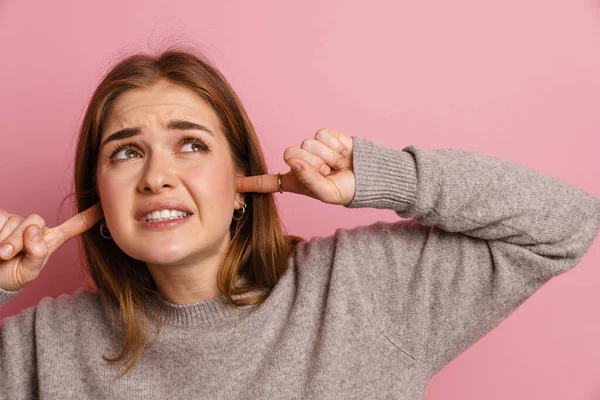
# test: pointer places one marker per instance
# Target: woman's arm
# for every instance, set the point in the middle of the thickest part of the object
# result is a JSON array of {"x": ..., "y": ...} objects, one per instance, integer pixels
[
  {"x": 18, "y": 363},
  {"x": 487, "y": 233}
]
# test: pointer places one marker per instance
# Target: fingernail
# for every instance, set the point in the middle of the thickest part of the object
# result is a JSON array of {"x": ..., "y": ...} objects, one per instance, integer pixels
[
  {"x": 344, "y": 152},
  {"x": 325, "y": 169},
  {"x": 297, "y": 167},
  {"x": 6, "y": 250},
  {"x": 340, "y": 163}
]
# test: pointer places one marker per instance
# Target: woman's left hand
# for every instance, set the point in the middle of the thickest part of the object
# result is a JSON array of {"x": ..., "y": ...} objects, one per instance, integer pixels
[{"x": 321, "y": 168}]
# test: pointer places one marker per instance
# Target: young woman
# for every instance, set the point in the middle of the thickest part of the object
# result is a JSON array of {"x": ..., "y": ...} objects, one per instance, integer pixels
[{"x": 199, "y": 293}]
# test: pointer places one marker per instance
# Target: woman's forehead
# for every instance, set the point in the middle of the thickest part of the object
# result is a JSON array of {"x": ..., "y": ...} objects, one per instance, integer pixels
[{"x": 157, "y": 105}]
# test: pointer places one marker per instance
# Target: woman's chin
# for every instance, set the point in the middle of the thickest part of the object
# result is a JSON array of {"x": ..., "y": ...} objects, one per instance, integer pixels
[
  {"x": 166, "y": 258},
  {"x": 155, "y": 256},
  {"x": 163, "y": 251}
]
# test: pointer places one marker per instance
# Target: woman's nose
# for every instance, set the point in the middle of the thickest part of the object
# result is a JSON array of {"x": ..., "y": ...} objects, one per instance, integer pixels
[{"x": 158, "y": 174}]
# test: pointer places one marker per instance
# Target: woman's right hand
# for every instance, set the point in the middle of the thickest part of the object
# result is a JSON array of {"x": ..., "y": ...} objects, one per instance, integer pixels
[{"x": 31, "y": 243}]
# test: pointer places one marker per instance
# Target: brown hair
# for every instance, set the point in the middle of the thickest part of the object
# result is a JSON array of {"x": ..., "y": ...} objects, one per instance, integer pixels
[{"x": 258, "y": 249}]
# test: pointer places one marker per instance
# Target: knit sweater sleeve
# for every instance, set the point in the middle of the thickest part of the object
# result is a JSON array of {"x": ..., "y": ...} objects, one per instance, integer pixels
[{"x": 482, "y": 235}]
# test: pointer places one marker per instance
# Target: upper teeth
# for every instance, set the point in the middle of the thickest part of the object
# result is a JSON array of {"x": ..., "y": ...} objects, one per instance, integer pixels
[{"x": 165, "y": 214}]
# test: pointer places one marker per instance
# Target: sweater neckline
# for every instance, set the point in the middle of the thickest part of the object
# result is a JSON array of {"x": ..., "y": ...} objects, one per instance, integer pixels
[{"x": 205, "y": 312}]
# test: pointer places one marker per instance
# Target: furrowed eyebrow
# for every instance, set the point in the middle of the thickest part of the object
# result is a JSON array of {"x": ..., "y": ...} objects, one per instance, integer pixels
[
  {"x": 179, "y": 124},
  {"x": 176, "y": 124}
]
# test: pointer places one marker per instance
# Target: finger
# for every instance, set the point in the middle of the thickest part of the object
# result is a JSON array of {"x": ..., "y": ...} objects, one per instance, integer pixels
[
  {"x": 312, "y": 180},
  {"x": 331, "y": 157},
  {"x": 317, "y": 162},
  {"x": 74, "y": 226},
  {"x": 9, "y": 227},
  {"x": 4, "y": 215},
  {"x": 267, "y": 183},
  {"x": 35, "y": 253},
  {"x": 333, "y": 139},
  {"x": 15, "y": 239}
]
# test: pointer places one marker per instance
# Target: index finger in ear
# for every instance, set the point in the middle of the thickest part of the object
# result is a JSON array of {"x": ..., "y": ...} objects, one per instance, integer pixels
[
  {"x": 267, "y": 183},
  {"x": 80, "y": 223}
]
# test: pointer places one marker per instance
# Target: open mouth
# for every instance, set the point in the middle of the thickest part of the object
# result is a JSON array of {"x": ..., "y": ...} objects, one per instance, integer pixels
[
  {"x": 164, "y": 219},
  {"x": 165, "y": 215}
]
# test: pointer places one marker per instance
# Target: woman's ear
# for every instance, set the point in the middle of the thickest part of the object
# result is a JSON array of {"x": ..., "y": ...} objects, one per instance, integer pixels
[{"x": 239, "y": 198}]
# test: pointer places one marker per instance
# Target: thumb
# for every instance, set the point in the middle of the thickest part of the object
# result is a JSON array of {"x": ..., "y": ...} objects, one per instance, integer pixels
[{"x": 35, "y": 253}]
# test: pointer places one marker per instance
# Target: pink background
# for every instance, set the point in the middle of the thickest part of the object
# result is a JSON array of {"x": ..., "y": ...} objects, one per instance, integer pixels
[{"x": 513, "y": 79}]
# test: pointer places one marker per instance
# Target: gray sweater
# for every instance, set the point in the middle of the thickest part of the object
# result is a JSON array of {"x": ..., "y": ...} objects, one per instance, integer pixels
[{"x": 370, "y": 312}]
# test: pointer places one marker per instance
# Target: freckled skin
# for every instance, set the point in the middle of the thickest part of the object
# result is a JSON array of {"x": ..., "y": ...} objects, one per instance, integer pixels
[{"x": 183, "y": 260}]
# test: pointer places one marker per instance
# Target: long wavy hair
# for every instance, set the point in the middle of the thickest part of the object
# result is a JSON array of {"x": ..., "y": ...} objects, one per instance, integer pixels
[{"x": 259, "y": 247}]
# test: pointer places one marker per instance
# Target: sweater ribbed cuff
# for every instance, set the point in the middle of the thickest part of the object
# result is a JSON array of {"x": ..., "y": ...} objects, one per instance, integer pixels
[
  {"x": 6, "y": 295},
  {"x": 385, "y": 177}
]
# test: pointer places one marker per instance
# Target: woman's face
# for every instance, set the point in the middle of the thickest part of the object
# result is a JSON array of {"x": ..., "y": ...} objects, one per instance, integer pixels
[{"x": 165, "y": 160}]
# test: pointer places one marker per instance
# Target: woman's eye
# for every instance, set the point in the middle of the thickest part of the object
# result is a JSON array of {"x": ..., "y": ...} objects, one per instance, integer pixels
[
  {"x": 191, "y": 145},
  {"x": 125, "y": 154}
]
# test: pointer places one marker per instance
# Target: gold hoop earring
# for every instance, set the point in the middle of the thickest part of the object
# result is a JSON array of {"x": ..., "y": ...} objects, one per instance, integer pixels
[
  {"x": 104, "y": 228},
  {"x": 237, "y": 218}
]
